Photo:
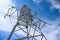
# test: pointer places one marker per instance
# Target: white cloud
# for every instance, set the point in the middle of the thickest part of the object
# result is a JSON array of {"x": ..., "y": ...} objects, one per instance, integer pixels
[
  {"x": 4, "y": 5},
  {"x": 4, "y": 25},
  {"x": 55, "y": 4},
  {"x": 37, "y": 1},
  {"x": 52, "y": 35},
  {"x": 53, "y": 30}
]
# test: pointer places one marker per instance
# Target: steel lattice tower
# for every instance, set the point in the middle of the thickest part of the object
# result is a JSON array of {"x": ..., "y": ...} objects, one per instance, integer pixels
[{"x": 28, "y": 23}]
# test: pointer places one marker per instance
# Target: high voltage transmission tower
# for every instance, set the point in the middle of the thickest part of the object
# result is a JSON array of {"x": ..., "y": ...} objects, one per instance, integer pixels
[{"x": 27, "y": 24}]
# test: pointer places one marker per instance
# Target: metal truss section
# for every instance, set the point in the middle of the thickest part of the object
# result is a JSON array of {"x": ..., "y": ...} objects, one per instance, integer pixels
[{"x": 27, "y": 27}]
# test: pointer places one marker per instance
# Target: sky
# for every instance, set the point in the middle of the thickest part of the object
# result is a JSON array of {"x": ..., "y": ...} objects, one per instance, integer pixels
[{"x": 48, "y": 10}]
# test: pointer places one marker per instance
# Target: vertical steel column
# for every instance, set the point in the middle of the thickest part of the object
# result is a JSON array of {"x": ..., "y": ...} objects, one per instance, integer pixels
[
  {"x": 12, "y": 31},
  {"x": 27, "y": 32}
]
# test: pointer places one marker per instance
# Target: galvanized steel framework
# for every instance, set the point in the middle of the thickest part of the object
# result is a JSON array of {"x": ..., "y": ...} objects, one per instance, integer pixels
[{"x": 28, "y": 23}]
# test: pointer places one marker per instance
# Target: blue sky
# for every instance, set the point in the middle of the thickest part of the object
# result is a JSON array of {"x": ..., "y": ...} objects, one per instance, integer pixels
[
  {"x": 48, "y": 10},
  {"x": 43, "y": 8}
]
